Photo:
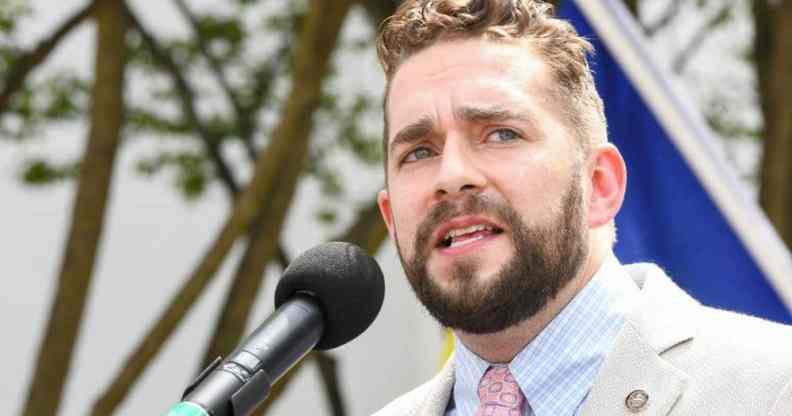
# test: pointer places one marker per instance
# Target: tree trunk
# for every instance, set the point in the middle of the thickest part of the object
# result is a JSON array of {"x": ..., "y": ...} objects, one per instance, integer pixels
[
  {"x": 88, "y": 213},
  {"x": 773, "y": 53},
  {"x": 274, "y": 178}
]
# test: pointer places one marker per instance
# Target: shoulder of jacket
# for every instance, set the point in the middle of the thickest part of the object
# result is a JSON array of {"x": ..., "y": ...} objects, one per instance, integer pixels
[
  {"x": 758, "y": 338},
  {"x": 430, "y": 396},
  {"x": 731, "y": 347},
  {"x": 406, "y": 404}
]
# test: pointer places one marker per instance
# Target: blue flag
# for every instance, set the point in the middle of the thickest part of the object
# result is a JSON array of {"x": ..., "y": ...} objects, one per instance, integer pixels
[{"x": 670, "y": 215}]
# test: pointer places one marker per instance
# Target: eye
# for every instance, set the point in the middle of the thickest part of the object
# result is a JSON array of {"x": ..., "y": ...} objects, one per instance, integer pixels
[
  {"x": 417, "y": 154},
  {"x": 502, "y": 135}
]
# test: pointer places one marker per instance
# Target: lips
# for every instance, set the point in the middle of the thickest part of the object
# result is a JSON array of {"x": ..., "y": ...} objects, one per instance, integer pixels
[{"x": 464, "y": 230}]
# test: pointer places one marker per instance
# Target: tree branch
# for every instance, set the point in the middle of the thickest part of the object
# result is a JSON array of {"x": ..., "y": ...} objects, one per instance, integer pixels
[
  {"x": 187, "y": 98},
  {"x": 28, "y": 61},
  {"x": 695, "y": 43},
  {"x": 274, "y": 180},
  {"x": 243, "y": 118},
  {"x": 368, "y": 231},
  {"x": 378, "y": 10},
  {"x": 261, "y": 250},
  {"x": 671, "y": 11},
  {"x": 328, "y": 368},
  {"x": 632, "y": 7}
]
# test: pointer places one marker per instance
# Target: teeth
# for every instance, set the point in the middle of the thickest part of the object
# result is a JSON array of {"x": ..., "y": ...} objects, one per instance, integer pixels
[
  {"x": 456, "y": 243},
  {"x": 467, "y": 230}
]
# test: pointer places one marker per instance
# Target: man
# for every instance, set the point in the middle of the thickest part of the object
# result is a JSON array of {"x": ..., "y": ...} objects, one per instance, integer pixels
[{"x": 501, "y": 195}]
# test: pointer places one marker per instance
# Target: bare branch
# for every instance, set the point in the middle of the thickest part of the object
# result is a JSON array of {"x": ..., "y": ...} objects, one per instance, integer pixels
[
  {"x": 632, "y": 7},
  {"x": 368, "y": 231},
  {"x": 242, "y": 115},
  {"x": 378, "y": 10},
  {"x": 187, "y": 97},
  {"x": 248, "y": 277},
  {"x": 28, "y": 61},
  {"x": 328, "y": 368},
  {"x": 277, "y": 389},
  {"x": 698, "y": 39},
  {"x": 671, "y": 12}
]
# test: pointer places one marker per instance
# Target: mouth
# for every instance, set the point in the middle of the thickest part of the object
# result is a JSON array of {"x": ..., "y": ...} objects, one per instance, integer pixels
[{"x": 465, "y": 231}]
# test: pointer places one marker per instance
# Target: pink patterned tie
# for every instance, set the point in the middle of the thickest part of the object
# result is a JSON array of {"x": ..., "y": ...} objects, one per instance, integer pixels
[{"x": 499, "y": 394}]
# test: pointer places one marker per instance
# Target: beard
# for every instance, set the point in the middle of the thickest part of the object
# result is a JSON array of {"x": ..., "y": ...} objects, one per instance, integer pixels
[{"x": 547, "y": 257}]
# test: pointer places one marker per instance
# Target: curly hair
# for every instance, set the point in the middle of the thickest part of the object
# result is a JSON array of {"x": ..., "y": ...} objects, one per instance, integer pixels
[{"x": 418, "y": 24}]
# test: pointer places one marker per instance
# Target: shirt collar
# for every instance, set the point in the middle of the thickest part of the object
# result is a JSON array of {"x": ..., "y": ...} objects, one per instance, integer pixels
[{"x": 556, "y": 369}]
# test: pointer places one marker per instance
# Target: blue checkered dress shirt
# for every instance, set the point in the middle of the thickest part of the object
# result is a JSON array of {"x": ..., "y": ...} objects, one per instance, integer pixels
[{"x": 556, "y": 370}]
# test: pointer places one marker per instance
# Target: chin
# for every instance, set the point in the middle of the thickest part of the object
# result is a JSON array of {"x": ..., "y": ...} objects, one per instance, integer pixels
[
  {"x": 486, "y": 266},
  {"x": 448, "y": 277}
]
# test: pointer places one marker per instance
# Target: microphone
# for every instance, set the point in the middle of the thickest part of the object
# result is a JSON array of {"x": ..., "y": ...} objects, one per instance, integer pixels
[{"x": 326, "y": 297}]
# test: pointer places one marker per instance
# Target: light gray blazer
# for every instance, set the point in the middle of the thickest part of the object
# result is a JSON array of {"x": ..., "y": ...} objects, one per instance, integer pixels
[{"x": 688, "y": 358}]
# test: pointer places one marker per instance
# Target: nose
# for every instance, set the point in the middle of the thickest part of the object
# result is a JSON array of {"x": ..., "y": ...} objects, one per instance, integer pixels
[{"x": 458, "y": 170}]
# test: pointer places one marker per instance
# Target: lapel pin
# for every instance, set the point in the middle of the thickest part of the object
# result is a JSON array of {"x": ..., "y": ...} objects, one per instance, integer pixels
[{"x": 636, "y": 400}]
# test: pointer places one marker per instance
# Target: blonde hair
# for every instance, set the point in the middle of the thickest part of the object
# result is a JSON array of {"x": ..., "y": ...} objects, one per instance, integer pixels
[{"x": 418, "y": 24}]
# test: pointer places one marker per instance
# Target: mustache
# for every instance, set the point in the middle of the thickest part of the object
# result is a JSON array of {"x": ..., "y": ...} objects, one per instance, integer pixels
[{"x": 447, "y": 210}]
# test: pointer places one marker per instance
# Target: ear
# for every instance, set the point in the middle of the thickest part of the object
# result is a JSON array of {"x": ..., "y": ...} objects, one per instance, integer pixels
[
  {"x": 383, "y": 201},
  {"x": 608, "y": 177}
]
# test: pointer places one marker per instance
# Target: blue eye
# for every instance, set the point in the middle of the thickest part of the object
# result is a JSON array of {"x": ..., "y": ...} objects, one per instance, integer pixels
[
  {"x": 503, "y": 135},
  {"x": 418, "y": 154}
]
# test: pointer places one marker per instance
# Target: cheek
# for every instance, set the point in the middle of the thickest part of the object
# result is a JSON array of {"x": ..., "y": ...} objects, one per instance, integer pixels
[
  {"x": 406, "y": 210},
  {"x": 532, "y": 186}
]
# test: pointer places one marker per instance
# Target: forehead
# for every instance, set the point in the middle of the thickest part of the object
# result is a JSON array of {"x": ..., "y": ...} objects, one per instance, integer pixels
[{"x": 470, "y": 72}]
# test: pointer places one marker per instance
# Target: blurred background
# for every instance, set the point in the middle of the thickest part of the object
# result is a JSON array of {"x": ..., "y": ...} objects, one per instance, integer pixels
[{"x": 160, "y": 163}]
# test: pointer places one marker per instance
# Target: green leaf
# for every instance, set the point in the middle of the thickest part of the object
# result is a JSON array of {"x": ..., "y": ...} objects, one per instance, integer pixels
[
  {"x": 39, "y": 172},
  {"x": 224, "y": 35},
  {"x": 141, "y": 120},
  {"x": 330, "y": 184},
  {"x": 192, "y": 183},
  {"x": 11, "y": 11},
  {"x": 66, "y": 97},
  {"x": 191, "y": 169},
  {"x": 326, "y": 216}
]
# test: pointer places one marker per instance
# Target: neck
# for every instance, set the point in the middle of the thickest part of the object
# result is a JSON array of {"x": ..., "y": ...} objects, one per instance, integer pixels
[{"x": 501, "y": 347}]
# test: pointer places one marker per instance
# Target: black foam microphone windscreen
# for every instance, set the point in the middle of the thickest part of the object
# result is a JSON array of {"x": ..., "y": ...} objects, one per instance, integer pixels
[{"x": 345, "y": 281}]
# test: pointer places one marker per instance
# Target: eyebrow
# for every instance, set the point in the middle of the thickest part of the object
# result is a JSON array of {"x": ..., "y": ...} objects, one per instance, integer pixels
[
  {"x": 413, "y": 132},
  {"x": 481, "y": 115}
]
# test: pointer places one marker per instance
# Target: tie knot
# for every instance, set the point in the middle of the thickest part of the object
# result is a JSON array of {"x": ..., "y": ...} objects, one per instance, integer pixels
[{"x": 499, "y": 394}]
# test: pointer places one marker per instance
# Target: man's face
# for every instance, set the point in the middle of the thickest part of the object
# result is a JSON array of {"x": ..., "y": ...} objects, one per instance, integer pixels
[{"x": 485, "y": 197}]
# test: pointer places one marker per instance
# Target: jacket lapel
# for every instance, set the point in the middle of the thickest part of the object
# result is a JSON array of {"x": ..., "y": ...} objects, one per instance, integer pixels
[
  {"x": 439, "y": 392},
  {"x": 634, "y": 366},
  {"x": 661, "y": 319}
]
